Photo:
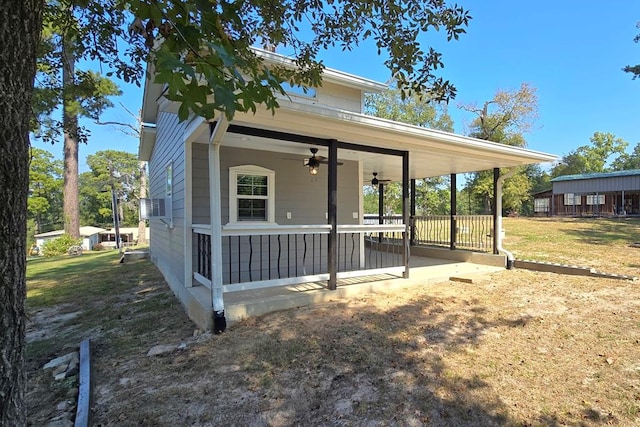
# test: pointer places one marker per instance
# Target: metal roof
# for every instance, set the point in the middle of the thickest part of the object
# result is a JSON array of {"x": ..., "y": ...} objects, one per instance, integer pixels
[{"x": 631, "y": 172}]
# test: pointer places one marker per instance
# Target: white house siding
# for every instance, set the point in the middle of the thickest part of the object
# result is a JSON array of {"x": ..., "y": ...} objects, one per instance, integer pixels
[
  {"x": 166, "y": 244},
  {"x": 338, "y": 96},
  {"x": 200, "y": 184},
  {"x": 297, "y": 192}
]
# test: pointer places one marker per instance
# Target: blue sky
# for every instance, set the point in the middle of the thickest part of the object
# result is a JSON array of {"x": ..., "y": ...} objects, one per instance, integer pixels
[{"x": 571, "y": 51}]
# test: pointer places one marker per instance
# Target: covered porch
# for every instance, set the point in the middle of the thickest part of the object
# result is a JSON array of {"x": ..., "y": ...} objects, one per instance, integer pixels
[{"x": 227, "y": 261}]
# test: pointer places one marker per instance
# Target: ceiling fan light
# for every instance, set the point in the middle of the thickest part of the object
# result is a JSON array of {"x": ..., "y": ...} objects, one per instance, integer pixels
[{"x": 313, "y": 169}]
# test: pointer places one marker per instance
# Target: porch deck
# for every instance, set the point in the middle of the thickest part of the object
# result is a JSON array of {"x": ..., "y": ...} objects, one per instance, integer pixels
[{"x": 243, "y": 304}]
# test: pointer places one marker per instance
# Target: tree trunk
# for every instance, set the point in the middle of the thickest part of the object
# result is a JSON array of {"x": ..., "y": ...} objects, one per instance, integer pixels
[
  {"x": 19, "y": 35},
  {"x": 71, "y": 204},
  {"x": 142, "y": 224}
]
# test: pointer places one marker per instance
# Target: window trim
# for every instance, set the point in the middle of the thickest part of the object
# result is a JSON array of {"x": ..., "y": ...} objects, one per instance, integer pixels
[
  {"x": 234, "y": 171},
  {"x": 541, "y": 204},
  {"x": 569, "y": 197},
  {"x": 595, "y": 199}
]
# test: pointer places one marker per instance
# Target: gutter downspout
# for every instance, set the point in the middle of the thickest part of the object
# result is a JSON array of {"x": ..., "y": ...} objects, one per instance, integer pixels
[
  {"x": 510, "y": 257},
  {"x": 217, "y": 132}
]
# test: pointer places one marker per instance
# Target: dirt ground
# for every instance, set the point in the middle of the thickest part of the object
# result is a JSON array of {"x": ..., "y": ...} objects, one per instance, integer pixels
[{"x": 513, "y": 348}]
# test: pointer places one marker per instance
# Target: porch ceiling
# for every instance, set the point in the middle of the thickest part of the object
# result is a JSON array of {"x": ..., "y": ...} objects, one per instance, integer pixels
[{"x": 431, "y": 152}]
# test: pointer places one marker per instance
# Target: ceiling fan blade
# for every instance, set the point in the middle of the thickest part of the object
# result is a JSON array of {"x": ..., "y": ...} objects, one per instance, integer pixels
[{"x": 326, "y": 162}]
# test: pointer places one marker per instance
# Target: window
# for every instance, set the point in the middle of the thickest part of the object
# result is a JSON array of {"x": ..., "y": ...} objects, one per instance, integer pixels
[
  {"x": 595, "y": 199},
  {"x": 251, "y": 194},
  {"x": 541, "y": 205},
  {"x": 572, "y": 199},
  {"x": 168, "y": 195},
  {"x": 169, "y": 180},
  {"x": 299, "y": 91}
]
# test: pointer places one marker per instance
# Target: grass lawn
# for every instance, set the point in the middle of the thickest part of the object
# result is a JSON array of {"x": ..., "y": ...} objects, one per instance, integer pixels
[{"x": 515, "y": 348}]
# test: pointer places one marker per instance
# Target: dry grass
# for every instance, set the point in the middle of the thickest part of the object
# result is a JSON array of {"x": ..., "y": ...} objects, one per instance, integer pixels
[{"x": 515, "y": 348}]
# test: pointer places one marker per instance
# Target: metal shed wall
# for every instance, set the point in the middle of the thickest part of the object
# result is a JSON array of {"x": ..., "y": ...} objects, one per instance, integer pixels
[{"x": 598, "y": 185}]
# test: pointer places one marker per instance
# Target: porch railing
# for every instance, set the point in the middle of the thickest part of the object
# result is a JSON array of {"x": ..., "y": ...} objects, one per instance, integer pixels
[
  {"x": 473, "y": 232},
  {"x": 280, "y": 255}
]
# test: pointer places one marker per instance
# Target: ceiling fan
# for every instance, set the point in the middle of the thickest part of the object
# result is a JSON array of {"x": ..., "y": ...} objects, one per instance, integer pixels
[
  {"x": 314, "y": 161},
  {"x": 376, "y": 181}
]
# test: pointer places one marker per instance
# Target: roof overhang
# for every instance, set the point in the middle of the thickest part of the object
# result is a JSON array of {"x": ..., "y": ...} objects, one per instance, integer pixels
[
  {"x": 431, "y": 152},
  {"x": 147, "y": 142}
]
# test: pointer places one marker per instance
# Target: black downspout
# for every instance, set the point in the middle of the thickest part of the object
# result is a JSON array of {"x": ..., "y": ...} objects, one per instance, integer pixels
[
  {"x": 332, "y": 211},
  {"x": 496, "y": 235},
  {"x": 453, "y": 211},
  {"x": 405, "y": 212},
  {"x": 412, "y": 219}
]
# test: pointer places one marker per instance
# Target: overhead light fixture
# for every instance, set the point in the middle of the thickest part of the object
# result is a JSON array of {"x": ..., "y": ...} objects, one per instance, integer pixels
[{"x": 314, "y": 166}]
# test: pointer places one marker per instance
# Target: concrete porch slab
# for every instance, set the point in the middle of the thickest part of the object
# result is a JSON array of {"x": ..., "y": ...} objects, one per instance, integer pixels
[{"x": 423, "y": 271}]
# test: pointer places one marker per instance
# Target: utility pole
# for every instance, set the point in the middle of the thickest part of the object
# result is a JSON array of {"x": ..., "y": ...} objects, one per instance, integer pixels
[{"x": 114, "y": 208}]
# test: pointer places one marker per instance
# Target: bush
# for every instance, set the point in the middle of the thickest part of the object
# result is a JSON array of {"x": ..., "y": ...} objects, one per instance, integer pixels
[
  {"x": 98, "y": 247},
  {"x": 60, "y": 245}
]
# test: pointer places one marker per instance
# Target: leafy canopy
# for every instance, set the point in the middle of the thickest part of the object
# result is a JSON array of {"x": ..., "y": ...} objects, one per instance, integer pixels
[
  {"x": 634, "y": 69},
  {"x": 203, "y": 49},
  {"x": 504, "y": 120},
  {"x": 592, "y": 158}
]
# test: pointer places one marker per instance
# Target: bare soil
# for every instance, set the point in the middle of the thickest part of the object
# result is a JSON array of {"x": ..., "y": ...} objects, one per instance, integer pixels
[{"x": 513, "y": 348}]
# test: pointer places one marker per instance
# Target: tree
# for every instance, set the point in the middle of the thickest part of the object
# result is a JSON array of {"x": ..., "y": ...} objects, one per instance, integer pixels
[
  {"x": 204, "y": 54},
  {"x": 592, "y": 158},
  {"x": 45, "y": 190},
  {"x": 420, "y": 111},
  {"x": 626, "y": 161},
  {"x": 110, "y": 169},
  {"x": 504, "y": 119},
  {"x": 634, "y": 69},
  {"x": 19, "y": 36},
  {"x": 79, "y": 93}
]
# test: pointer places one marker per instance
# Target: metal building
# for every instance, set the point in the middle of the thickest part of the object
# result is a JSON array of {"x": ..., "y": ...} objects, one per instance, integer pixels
[{"x": 594, "y": 194}]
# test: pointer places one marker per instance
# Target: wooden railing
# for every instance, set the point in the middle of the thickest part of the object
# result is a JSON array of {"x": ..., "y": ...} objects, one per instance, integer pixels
[{"x": 278, "y": 255}]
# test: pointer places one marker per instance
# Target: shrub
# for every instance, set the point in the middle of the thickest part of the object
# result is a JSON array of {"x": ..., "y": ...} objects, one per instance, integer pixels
[
  {"x": 60, "y": 245},
  {"x": 98, "y": 247}
]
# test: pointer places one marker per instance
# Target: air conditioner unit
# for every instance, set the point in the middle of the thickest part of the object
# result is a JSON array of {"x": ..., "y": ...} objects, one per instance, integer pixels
[{"x": 152, "y": 208}]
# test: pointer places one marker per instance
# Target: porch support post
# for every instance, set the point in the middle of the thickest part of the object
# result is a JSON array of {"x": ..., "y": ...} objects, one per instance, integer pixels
[
  {"x": 405, "y": 212},
  {"x": 412, "y": 238},
  {"x": 496, "y": 224},
  {"x": 217, "y": 131},
  {"x": 380, "y": 208},
  {"x": 453, "y": 211},
  {"x": 332, "y": 211},
  {"x": 623, "y": 207}
]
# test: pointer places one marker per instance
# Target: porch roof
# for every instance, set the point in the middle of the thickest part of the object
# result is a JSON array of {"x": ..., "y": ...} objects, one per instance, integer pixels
[{"x": 431, "y": 152}]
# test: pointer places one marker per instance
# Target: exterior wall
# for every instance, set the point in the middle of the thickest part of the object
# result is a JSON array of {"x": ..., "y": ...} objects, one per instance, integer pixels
[
  {"x": 297, "y": 192},
  {"x": 612, "y": 205},
  {"x": 342, "y": 97},
  {"x": 598, "y": 185},
  {"x": 167, "y": 243}
]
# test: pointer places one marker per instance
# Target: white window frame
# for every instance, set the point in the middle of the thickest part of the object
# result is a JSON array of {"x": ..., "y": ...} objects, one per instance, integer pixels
[
  {"x": 570, "y": 197},
  {"x": 233, "y": 193},
  {"x": 541, "y": 205},
  {"x": 595, "y": 199},
  {"x": 168, "y": 193}
]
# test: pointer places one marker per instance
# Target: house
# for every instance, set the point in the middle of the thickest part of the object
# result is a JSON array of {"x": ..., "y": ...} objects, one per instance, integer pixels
[
  {"x": 90, "y": 236},
  {"x": 128, "y": 236},
  {"x": 270, "y": 200},
  {"x": 593, "y": 194}
]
